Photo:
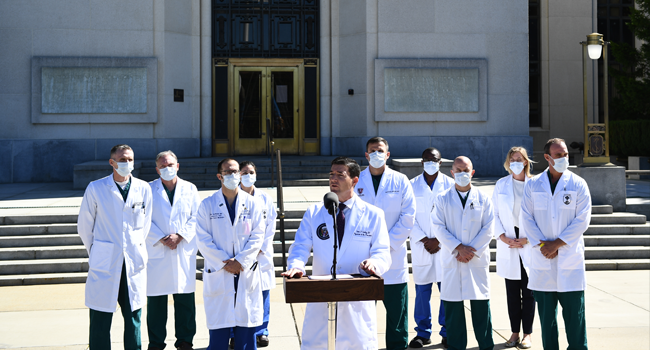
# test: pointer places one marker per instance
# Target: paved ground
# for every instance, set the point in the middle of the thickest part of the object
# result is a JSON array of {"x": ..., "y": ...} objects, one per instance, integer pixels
[{"x": 54, "y": 316}]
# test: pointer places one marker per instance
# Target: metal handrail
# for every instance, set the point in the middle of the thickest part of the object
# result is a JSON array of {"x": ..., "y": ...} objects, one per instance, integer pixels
[
  {"x": 269, "y": 146},
  {"x": 281, "y": 213}
]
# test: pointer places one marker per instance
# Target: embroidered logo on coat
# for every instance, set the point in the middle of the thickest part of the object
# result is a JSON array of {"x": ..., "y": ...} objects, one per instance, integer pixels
[
  {"x": 322, "y": 233},
  {"x": 360, "y": 190},
  {"x": 567, "y": 199}
]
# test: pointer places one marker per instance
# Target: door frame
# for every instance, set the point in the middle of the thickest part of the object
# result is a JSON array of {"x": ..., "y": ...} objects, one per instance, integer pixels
[{"x": 268, "y": 62}]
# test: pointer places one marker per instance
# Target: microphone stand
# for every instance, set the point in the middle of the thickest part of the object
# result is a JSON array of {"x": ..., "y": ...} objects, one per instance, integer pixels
[{"x": 336, "y": 240}]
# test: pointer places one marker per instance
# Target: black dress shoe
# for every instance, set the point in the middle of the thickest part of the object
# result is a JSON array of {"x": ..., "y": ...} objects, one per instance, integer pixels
[
  {"x": 184, "y": 346},
  {"x": 419, "y": 342},
  {"x": 444, "y": 342},
  {"x": 232, "y": 343},
  {"x": 262, "y": 341}
]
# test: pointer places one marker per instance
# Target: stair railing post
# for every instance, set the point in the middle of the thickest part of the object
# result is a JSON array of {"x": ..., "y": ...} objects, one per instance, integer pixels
[{"x": 281, "y": 214}]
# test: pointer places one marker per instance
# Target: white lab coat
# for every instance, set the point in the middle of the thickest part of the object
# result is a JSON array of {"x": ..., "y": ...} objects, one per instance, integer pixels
[
  {"x": 219, "y": 240},
  {"x": 426, "y": 266},
  {"x": 395, "y": 198},
  {"x": 565, "y": 215},
  {"x": 471, "y": 226},
  {"x": 365, "y": 237},
  {"x": 172, "y": 271},
  {"x": 113, "y": 232},
  {"x": 265, "y": 258},
  {"x": 503, "y": 199}
]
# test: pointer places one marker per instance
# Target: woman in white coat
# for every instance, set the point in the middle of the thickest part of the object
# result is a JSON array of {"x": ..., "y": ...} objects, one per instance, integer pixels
[
  {"x": 248, "y": 172},
  {"x": 513, "y": 250}
]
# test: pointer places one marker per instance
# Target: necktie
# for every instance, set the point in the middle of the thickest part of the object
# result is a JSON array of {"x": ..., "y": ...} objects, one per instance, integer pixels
[{"x": 340, "y": 223}]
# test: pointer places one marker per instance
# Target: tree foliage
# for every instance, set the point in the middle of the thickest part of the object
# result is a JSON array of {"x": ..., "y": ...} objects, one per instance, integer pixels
[{"x": 632, "y": 79}]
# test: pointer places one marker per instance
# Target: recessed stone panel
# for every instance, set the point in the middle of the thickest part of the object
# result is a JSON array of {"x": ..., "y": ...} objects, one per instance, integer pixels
[
  {"x": 93, "y": 90},
  {"x": 431, "y": 90}
]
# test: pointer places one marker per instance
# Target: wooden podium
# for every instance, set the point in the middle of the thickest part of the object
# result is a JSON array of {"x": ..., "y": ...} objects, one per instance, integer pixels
[{"x": 359, "y": 288}]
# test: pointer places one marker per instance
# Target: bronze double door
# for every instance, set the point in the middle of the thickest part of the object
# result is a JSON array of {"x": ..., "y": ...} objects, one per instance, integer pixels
[{"x": 266, "y": 103}]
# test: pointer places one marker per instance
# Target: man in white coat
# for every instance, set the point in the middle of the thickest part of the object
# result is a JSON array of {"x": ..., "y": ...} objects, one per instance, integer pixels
[
  {"x": 363, "y": 245},
  {"x": 556, "y": 211},
  {"x": 230, "y": 232},
  {"x": 114, "y": 219},
  {"x": 462, "y": 221},
  {"x": 171, "y": 245},
  {"x": 425, "y": 246},
  {"x": 391, "y": 191}
]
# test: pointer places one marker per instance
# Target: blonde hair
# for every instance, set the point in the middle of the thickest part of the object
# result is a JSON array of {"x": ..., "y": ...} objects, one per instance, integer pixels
[{"x": 524, "y": 154}]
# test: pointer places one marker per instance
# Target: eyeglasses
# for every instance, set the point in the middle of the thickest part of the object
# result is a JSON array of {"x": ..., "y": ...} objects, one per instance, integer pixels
[{"x": 230, "y": 172}]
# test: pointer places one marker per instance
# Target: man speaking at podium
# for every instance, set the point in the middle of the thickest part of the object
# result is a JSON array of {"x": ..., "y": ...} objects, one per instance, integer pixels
[{"x": 363, "y": 247}]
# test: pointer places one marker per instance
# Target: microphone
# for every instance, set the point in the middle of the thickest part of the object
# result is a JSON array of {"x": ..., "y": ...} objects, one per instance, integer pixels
[{"x": 331, "y": 201}]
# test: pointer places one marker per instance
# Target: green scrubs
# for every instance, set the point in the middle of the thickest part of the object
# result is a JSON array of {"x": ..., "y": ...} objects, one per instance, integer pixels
[
  {"x": 184, "y": 319},
  {"x": 457, "y": 330},
  {"x": 396, "y": 304},
  {"x": 573, "y": 312}
]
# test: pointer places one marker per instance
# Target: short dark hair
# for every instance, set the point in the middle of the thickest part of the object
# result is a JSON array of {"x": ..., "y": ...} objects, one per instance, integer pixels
[
  {"x": 225, "y": 160},
  {"x": 246, "y": 163},
  {"x": 547, "y": 146},
  {"x": 431, "y": 150},
  {"x": 353, "y": 167},
  {"x": 376, "y": 139},
  {"x": 119, "y": 148}
]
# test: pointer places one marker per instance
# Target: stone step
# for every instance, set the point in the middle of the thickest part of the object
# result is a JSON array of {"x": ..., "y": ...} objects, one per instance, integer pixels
[
  {"x": 36, "y": 266},
  {"x": 55, "y": 252},
  {"x": 618, "y": 218},
  {"x": 40, "y": 241},
  {"x": 602, "y": 209},
  {"x": 38, "y": 219},
  {"x": 643, "y": 229},
  {"x": 38, "y": 229}
]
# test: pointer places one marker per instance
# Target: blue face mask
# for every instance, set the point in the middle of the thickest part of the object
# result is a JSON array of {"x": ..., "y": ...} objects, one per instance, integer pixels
[
  {"x": 231, "y": 181},
  {"x": 124, "y": 168},
  {"x": 516, "y": 167},
  {"x": 462, "y": 179},
  {"x": 377, "y": 159},
  {"x": 431, "y": 167}
]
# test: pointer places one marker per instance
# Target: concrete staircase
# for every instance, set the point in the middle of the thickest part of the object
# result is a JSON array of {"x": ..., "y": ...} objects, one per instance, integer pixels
[
  {"x": 43, "y": 249},
  {"x": 296, "y": 171}
]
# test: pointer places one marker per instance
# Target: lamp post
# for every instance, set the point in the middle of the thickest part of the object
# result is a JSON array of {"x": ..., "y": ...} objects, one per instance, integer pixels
[{"x": 596, "y": 149}]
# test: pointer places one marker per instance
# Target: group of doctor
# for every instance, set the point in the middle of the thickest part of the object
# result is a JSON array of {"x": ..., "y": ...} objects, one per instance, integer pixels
[
  {"x": 142, "y": 240},
  {"x": 538, "y": 222}
]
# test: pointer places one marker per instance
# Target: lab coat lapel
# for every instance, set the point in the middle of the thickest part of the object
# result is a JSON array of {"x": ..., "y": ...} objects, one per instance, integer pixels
[
  {"x": 385, "y": 178},
  {"x": 161, "y": 191},
  {"x": 222, "y": 205},
  {"x": 116, "y": 196},
  {"x": 368, "y": 188},
  {"x": 472, "y": 199},
  {"x": 437, "y": 185},
  {"x": 546, "y": 184},
  {"x": 351, "y": 224},
  {"x": 562, "y": 183},
  {"x": 509, "y": 192}
]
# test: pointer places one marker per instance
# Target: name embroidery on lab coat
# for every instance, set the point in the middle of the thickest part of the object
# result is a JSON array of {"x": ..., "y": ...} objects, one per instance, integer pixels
[
  {"x": 216, "y": 216},
  {"x": 362, "y": 234},
  {"x": 567, "y": 199},
  {"x": 322, "y": 233},
  {"x": 392, "y": 191}
]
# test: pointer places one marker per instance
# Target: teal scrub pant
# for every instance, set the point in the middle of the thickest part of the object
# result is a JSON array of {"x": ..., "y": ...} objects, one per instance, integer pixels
[
  {"x": 396, "y": 304},
  {"x": 100, "y": 322},
  {"x": 184, "y": 319},
  {"x": 457, "y": 330},
  {"x": 573, "y": 312}
]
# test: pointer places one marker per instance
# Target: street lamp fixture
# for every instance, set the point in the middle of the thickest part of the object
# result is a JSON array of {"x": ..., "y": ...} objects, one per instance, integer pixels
[{"x": 596, "y": 150}]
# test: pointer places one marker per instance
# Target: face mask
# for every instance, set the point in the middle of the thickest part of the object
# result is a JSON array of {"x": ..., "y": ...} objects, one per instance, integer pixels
[
  {"x": 248, "y": 180},
  {"x": 377, "y": 159},
  {"x": 168, "y": 173},
  {"x": 231, "y": 181},
  {"x": 561, "y": 164},
  {"x": 124, "y": 168},
  {"x": 462, "y": 179},
  {"x": 516, "y": 167},
  {"x": 431, "y": 167}
]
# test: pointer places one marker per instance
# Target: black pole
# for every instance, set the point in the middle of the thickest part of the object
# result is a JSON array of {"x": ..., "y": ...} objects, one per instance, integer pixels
[{"x": 281, "y": 214}]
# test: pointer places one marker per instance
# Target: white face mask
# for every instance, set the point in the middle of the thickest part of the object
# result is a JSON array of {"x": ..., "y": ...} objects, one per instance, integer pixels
[
  {"x": 168, "y": 173},
  {"x": 377, "y": 159},
  {"x": 462, "y": 179},
  {"x": 561, "y": 164},
  {"x": 516, "y": 167},
  {"x": 124, "y": 168},
  {"x": 231, "y": 181},
  {"x": 431, "y": 167},
  {"x": 248, "y": 180}
]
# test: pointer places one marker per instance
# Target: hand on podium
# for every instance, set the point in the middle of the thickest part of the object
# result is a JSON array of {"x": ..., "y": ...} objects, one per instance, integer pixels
[
  {"x": 293, "y": 273},
  {"x": 368, "y": 267}
]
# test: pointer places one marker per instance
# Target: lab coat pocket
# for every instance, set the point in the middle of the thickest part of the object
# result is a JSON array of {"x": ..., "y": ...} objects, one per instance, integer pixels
[
  {"x": 540, "y": 200},
  {"x": 568, "y": 200},
  {"x": 215, "y": 282},
  {"x": 138, "y": 218},
  {"x": 157, "y": 251},
  {"x": 538, "y": 261},
  {"x": 252, "y": 279},
  {"x": 245, "y": 228},
  {"x": 419, "y": 255},
  {"x": 448, "y": 258},
  {"x": 101, "y": 254},
  {"x": 571, "y": 258},
  {"x": 139, "y": 255},
  {"x": 475, "y": 212},
  {"x": 422, "y": 205},
  {"x": 480, "y": 261}
]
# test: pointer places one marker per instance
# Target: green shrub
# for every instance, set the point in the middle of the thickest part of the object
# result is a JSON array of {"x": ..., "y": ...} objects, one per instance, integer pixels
[{"x": 629, "y": 137}]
